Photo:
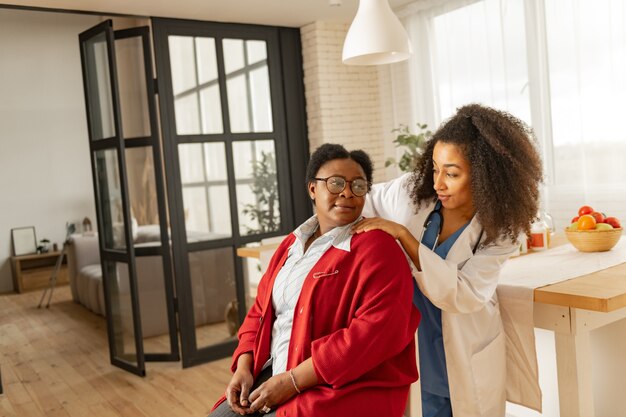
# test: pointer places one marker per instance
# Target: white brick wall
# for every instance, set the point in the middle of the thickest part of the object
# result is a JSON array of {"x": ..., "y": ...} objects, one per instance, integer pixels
[{"x": 343, "y": 102}]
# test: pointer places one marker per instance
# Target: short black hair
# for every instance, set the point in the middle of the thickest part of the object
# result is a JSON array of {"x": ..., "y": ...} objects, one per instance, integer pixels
[{"x": 328, "y": 152}]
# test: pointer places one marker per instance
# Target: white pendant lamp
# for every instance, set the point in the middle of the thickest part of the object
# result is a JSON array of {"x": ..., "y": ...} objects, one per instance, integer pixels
[{"x": 376, "y": 36}]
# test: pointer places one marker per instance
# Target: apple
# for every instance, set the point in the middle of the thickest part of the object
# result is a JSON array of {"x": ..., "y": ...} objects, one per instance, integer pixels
[
  {"x": 573, "y": 226},
  {"x": 585, "y": 210},
  {"x": 598, "y": 216},
  {"x": 604, "y": 226},
  {"x": 574, "y": 220},
  {"x": 613, "y": 221}
]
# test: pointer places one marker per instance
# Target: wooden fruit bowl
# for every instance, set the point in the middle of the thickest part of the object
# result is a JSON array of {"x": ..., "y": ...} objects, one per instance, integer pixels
[{"x": 593, "y": 240}]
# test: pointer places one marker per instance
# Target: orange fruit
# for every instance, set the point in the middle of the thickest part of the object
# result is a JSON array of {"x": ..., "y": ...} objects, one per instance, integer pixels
[{"x": 586, "y": 222}]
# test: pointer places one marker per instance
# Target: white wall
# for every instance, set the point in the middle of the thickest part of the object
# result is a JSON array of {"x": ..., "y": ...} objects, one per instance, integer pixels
[
  {"x": 45, "y": 173},
  {"x": 342, "y": 102}
]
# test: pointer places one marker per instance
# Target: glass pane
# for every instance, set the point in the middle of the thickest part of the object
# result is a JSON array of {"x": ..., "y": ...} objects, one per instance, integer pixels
[
  {"x": 196, "y": 209},
  {"x": 191, "y": 163},
  {"x": 131, "y": 78},
  {"x": 121, "y": 319},
  {"x": 219, "y": 211},
  {"x": 152, "y": 301},
  {"x": 182, "y": 62},
  {"x": 197, "y": 105},
  {"x": 207, "y": 62},
  {"x": 214, "y": 296},
  {"x": 211, "y": 106},
  {"x": 187, "y": 115},
  {"x": 233, "y": 55},
  {"x": 261, "y": 100},
  {"x": 238, "y": 104},
  {"x": 257, "y": 51},
  {"x": 110, "y": 198},
  {"x": 142, "y": 194},
  {"x": 205, "y": 191},
  {"x": 257, "y": 186},
  {"x": 248, "y": 86},
  {"x": 100, "y": 98}
]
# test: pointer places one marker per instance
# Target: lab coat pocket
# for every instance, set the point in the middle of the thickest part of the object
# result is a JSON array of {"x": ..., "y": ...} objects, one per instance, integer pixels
[{"x": 489, "y": 371}]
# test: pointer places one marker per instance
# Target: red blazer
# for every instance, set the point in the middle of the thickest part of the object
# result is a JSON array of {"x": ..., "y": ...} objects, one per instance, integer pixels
[{"x": 355, "y": 318}]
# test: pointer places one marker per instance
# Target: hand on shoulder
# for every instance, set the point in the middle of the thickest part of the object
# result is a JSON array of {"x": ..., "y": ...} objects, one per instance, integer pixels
[{"x": 377, "y": 223}]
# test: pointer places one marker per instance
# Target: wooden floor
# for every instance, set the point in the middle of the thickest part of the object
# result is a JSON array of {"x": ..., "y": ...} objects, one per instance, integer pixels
[{"x": 55, "y": 362}]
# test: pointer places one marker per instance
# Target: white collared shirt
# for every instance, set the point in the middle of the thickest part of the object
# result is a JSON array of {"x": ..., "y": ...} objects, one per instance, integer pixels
[{"x": 290, "y": 279}]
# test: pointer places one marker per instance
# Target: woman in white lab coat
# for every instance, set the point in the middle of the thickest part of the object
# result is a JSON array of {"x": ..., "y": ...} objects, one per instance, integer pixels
[{"x": 458, "y": 217}]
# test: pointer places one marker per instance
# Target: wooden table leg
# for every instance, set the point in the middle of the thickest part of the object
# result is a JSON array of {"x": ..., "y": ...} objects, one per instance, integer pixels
[{"x": 573, "y": 359}]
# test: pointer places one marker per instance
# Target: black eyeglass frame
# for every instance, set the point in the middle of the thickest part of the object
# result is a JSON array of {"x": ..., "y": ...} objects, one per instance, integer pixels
[{"x": 369, "y": 185}]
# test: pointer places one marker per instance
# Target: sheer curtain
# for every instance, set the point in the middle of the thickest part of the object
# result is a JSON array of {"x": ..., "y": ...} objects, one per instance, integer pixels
[
  {"x": 586, "y": 44},
  {"x": 559, "y": 66}
]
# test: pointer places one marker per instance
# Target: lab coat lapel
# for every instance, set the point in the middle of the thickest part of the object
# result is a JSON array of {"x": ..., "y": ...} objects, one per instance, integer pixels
[{"x": 461, "y": 251}]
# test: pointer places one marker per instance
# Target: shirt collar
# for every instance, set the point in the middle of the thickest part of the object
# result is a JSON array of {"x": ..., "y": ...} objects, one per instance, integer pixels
[{"x": 341, "y": 236}]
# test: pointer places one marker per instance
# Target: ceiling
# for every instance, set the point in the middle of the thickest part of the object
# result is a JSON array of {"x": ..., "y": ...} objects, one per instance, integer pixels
[{"x": 291, "y": 13}]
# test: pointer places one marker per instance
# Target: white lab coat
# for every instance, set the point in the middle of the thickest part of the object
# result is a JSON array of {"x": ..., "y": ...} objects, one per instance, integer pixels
[{"x": 463, "y": 286}]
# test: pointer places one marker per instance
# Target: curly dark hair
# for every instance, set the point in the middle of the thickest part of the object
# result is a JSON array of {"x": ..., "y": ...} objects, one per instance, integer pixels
[
  {"x": 328, "y": 152},
  {"x": 506, "y": 168}
]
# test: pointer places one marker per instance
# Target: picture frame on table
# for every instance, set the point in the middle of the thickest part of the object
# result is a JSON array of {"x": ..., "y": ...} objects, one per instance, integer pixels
[{"x": 24, "y": 241}]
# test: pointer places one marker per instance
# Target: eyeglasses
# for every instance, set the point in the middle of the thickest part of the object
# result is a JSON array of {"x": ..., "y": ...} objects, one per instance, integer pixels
[{"x": 337, "y": 184}]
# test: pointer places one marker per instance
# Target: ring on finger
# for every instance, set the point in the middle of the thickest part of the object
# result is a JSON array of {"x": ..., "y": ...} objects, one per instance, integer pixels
[{"x": 266, "y": 409}]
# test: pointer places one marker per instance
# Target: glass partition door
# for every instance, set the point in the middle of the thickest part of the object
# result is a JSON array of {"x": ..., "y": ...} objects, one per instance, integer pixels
[
  {"x": 227, "y": 167},
  {"x": 106, "y": 145},
  {"x": 146, "y": 191},
  {"x": 234, "y": 153}
]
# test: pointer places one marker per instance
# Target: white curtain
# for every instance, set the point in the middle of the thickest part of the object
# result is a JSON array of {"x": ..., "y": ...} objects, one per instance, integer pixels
[
  {"x": 559, "y": 66},
  {"x": 586, "y": 44}
]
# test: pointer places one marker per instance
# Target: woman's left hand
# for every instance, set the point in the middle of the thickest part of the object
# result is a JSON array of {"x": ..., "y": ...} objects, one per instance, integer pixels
[
  {"x": 272, "y": 393},
  {"x": 374, "y": 223}
]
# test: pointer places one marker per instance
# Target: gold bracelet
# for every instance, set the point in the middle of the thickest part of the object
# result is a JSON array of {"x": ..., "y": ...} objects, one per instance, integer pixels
[{"x": 293, "y": 381}]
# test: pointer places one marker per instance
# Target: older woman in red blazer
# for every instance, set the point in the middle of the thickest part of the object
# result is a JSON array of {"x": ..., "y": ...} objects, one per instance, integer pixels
[{"x": 331, "y": 332}]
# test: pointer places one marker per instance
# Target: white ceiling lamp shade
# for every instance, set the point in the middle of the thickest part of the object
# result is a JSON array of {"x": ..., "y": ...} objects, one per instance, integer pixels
[{"x": 376, "y": 36}]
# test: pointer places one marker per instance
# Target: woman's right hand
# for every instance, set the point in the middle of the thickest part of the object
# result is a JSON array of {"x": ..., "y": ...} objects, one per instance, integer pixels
[
  {"x": 407, "y": 240},
  {"x": 377, "y": 223},
  {"x": 238, "y": 390}
]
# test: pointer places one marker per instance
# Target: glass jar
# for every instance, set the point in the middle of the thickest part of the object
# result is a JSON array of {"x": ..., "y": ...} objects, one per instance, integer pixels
[
  {"x": 540, "y": 231},
  {"x": 538, "y": 235}
]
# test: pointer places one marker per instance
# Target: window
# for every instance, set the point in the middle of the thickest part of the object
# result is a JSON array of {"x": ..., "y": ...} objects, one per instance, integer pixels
[
  {"x": 587, "y": 62},
  {"x": 559, "y": 66},
  {"x": 480, "y": 56}
]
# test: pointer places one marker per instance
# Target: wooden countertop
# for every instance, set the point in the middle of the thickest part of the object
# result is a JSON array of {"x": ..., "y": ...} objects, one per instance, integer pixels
[
  {"x": 602, "y": 291},
  {"x": 255, "y": 251}
]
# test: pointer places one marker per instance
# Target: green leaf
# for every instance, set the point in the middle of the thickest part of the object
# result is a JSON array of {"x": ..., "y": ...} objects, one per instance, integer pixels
[{"x": 413, "y": 145}]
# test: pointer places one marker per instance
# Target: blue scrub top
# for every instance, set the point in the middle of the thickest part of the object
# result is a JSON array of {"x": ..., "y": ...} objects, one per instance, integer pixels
[{"x": 433, "y": 373}]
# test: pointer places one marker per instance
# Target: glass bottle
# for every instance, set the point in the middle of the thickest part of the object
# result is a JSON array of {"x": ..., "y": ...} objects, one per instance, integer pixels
[{"x": 539, "y": 232}]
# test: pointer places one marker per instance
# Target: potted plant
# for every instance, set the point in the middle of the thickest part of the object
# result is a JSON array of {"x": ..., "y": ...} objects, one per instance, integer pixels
[
  {"x": 413, "y": 144},
  {"x": 265, "y": 189}
]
